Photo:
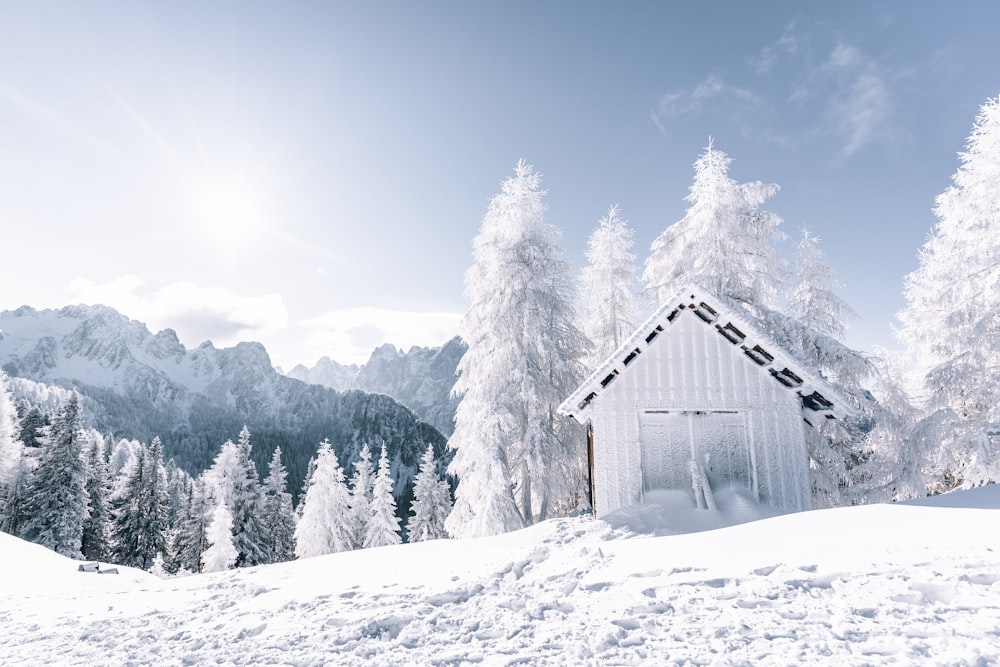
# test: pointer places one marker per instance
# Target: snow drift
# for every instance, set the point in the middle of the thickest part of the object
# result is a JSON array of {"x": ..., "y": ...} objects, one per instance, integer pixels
[{"x": 886, "y": 584}]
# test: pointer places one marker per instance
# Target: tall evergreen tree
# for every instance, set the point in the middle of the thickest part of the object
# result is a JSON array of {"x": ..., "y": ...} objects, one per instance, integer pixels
[
  {"x": 32, "y": 433},
  {"x": 250, "y": 536},
  {"x": 361, "y": 496},
  {"x": 278, "y": 515},
  {"x": 725, "y": 243},
  {"x": 56, "y": 503},
  {"x": 324, "y": 527},
  {"x": 140, "y": 511},
  {"x": 383, "y": 524},
  {"x": 611, "y": 312},
  {"x": 813, "y": 300},
  {"x": 13, "y": 465},
  {"x": 11, "y": 448},
  {"x": 95, "y": 528},
  {"x": 190, "y": 540},
  {"x": 517, "y": 460},
  {"x": 951, "y": 322},
  {"x": 431, "y": 502}
]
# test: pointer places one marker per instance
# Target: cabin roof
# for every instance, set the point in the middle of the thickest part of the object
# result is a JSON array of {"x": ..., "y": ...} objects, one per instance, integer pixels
[{"x": 819, "y": 398}]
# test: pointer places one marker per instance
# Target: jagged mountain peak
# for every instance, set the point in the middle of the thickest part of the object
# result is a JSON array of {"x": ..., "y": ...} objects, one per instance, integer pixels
[
  {"x": 139, "y": 385},
  {"x": 420, "y": 378}
]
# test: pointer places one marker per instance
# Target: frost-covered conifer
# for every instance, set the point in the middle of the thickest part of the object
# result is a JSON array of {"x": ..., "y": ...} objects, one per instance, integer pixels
[
  {"x": 13, "y": 466},
  {"x": 249, "y": 530},
  {"x": 55, "y": 506},
  {"x": 279, "y": 517},
  {"x": 431, "y": 502},
  {"x": 725, "y": 243},
  {"x": 383, "y": 524},
  {"x": 324, "y": 527},
  {"x": 611, "y": 311},
  {"x": 361, "y": 496},
  {"x": 11, "y": 448},
  {"x": 221, "y": 554},
  {"x": 869, "y": 457},
  {"x": 517, "y": 460},
  {"x": 94, "y": 544},
  {"x": 951, "y": 322},
  {"x": 190, "y": 539},
  {"x": 813, "y": 300},
  {"x": 140, "y": 511}
]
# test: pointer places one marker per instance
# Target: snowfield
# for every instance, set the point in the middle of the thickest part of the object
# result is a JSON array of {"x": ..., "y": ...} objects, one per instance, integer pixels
[{"x": 880, "y": 584}]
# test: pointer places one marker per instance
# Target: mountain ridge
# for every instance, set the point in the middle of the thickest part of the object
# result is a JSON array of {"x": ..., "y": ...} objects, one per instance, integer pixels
[{"x": 137, "y": 384}]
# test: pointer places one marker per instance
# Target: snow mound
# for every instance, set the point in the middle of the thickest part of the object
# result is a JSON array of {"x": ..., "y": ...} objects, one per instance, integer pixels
[
  {"x": 983, "y": 497},
  {"x": 673, "y": 512},
  {"x": 30, "y": 570}
]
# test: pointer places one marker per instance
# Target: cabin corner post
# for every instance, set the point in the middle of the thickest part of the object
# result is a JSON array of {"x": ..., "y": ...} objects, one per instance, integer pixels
[{"x": 590, "y": 467}]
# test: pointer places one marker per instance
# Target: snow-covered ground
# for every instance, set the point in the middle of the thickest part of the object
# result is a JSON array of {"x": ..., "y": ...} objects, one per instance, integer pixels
[{"x": 884, "y": 584}]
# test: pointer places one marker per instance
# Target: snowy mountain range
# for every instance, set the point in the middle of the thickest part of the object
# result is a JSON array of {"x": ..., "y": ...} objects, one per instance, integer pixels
[
  {"x": 140, "y": 385},
  {"x": 421, "y": 378}
]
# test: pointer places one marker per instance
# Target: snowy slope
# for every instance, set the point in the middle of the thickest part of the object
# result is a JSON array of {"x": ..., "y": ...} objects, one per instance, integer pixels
[{"x": 883, "y": 584}]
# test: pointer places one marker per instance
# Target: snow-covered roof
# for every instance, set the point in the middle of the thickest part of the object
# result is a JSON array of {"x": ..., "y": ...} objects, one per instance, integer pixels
[{"x": 818, "y": 396}]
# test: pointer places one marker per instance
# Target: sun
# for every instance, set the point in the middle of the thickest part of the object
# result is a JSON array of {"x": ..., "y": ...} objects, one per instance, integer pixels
[{"x": 231, "y": 212}]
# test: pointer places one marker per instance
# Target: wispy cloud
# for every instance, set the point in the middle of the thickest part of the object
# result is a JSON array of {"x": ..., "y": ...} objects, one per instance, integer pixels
[
  {"x": 804, "y": 85},
  {"x": 709, "y": 92},
  {"x": 770, "y": 56},
  {"x": 196, "y": 313},
  {"x": 859, "y": 101}
]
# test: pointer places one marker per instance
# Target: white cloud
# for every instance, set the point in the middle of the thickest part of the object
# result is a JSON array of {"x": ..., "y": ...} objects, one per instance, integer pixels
[
  {"x": 349, "y": 335},
  {"x": 774, "y": 54},
  {"x": 196, "y": 313},
  {"x": 708, "y": 92},
  {"x": 861, "y": 103}
]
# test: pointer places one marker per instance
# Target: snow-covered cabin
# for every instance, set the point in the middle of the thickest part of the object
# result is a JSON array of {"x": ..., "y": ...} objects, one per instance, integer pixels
[{"x": 699, "y": 399}]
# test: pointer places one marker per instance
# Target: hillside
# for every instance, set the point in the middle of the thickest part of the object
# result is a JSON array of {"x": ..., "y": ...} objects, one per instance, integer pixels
[{"x": 879, "y": 584}]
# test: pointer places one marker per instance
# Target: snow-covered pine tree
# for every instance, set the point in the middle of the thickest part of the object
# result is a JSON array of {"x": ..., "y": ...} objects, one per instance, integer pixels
[
  {"x": 13, "y": 466},
  {"x": 11, "y": 448},
  {"x": 383, "y": 524},
  {"x": 361, "y": 496},
  {"x": 278, "y": 516},
  {"x": 517, "y": 460},
  {"x": 32, "y": 434},
  {"x": 94, "y": 543},
  {"x": 221, "y": 554},
  {"x": 813, "y": 330},
  {"x": 324, "y": 527},
  {"x": 431, "y": 502},
  {"x": 306, "y": 482},
  {"x": 249, "y": 530},
  {"x": 190, "y": 540},
  {"x": 725, "y": 243},
  {"x": 951, "y": 322},
  {"x": 55, "y": 506},
  {"x": 898, "y": 458},
  {"x": 140, "y": 511},
  {"x": 178, "y": 491},
  {"x": 813, "y": 300},
  {"x": 611, "y": 311}
]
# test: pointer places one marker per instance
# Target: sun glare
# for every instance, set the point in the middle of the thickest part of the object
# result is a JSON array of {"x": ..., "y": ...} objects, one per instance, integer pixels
[{"x": 229, "y": 212}]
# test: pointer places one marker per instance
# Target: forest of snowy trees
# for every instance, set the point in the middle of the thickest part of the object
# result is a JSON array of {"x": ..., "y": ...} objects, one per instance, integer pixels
[
  {"x": 85, "y": 496},
  {"x": 928, "y": 418}
]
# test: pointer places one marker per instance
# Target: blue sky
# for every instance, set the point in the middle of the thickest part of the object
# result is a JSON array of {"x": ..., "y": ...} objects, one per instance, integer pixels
[{"x": 311, "y": 175}]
